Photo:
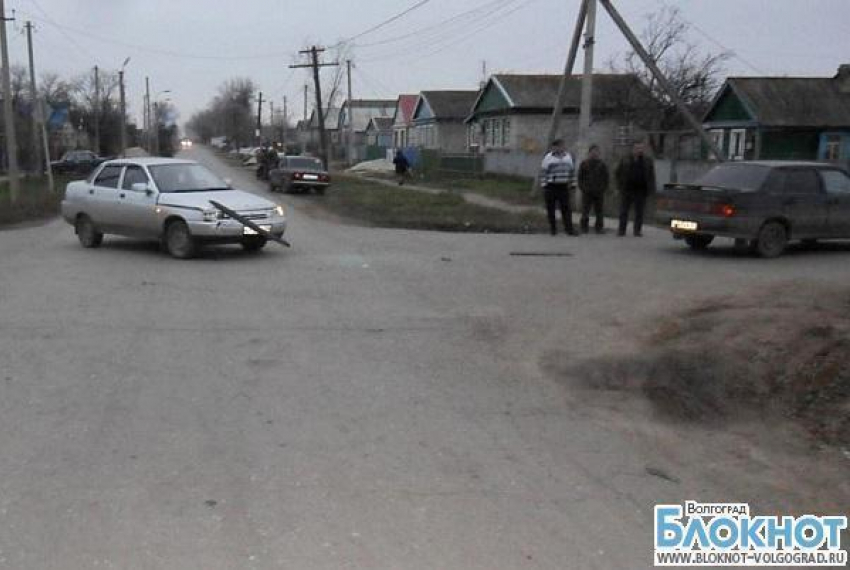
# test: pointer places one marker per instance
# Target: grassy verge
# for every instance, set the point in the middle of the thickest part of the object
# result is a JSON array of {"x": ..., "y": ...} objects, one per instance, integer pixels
[
  {"x": 35, "y": 201},
  {"x": 514, "y": 190},
  {"x": 392, "y": 207}
]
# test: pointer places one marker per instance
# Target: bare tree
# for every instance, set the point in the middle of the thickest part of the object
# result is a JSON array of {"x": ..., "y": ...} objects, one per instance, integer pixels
[{"x": 694, "y": 74}]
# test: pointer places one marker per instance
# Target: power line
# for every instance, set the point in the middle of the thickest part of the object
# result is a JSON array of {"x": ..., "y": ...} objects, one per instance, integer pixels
[
  {"x": 385, "y": 22},
  {"x": 70, "y": 38}
]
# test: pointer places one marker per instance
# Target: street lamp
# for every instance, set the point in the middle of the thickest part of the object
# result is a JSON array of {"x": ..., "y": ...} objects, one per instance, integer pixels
[{"x": 123, "y": 108}]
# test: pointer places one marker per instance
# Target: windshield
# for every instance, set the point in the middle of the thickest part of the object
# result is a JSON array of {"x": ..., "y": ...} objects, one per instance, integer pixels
[
  {"x": 744, "y": 177},
  {"x": 186, "y": 178},
  {"x": 311, "y": 163}
]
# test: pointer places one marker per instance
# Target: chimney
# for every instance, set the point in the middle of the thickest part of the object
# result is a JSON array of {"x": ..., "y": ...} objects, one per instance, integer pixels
[{"x": 843, "y": 78}]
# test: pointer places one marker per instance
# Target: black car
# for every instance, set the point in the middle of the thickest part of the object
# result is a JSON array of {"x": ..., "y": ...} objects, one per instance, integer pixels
[
  {"x": 299, "y": 173},
  {"x": 80, "y": 162},
  {"x": 766, "y": 203}
]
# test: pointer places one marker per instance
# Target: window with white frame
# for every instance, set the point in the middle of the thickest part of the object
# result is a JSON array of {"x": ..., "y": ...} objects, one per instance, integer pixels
[
  {"x": 506, "y": 132},
  {"x": 737, "y": 144},
  {"x": 717, "y": 137}
]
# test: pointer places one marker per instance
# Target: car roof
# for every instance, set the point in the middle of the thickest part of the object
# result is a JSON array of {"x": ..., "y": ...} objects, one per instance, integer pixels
[
  {"x": 786, "y": 163},
  {"x": 149, "y": 161}
]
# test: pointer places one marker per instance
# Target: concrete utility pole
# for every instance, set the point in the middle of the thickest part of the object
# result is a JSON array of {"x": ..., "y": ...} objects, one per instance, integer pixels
[
  {"x": 314, "y": 63},
  {"x": 96, "y": 110},
  {"x": 8, "y": 112},
  {"x": 350, "y": 117},
  {"x": 283, "y": 124},
  {"x": 123, "y": 108},
  {"x": 306, "y": 104},
  {"x": 35, "y": 143},
  {"x": 587, "y": 82},
  {"x": 659, "y": 76},
  {"x": 148, "y": 142},
  {"x": 259, "y": 131}
]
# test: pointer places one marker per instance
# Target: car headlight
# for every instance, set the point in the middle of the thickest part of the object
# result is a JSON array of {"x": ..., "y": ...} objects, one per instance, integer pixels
[
  {"x": 279, "y": 211},
  {"x": 210, "y": 215}
]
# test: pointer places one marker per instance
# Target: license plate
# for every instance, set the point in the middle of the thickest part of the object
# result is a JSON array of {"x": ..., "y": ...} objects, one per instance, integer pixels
[
  {"x": 310, "y": 177},
  {"x": 684, "y": 225},
  {"x": 251, "y": 232}
]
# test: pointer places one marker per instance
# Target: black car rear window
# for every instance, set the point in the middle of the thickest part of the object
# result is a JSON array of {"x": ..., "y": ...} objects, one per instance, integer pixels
[
  {"x": 744, "y": 177},
  {"x": 305, "y": 163}
]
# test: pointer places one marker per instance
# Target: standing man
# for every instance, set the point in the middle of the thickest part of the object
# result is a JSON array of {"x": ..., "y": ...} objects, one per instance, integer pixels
[
  {"x": 636, "y": 180},
  {"x": 402, "y": 166},
  {"x": 557, "y": 173},
  {"x": 593, "y": 183}
]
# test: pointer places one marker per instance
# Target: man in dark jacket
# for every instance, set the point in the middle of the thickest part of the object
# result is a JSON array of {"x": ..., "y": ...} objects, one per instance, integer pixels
[
  {"x": 636, "y": 180},
  {"x": 593, "y": 183},
  {"x": 402, "y": 166}
]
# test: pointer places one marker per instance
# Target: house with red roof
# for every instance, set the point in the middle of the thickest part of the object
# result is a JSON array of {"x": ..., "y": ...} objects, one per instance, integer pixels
[{"x": 403, "y": 120}]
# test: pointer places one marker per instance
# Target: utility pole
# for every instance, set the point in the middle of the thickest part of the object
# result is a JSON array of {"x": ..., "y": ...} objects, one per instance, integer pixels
[
  {"x": 271, "y": 113},
  {"x": 148, "y": 121},
  {"x": 350, "y": 117},
  {"x": 283, "y": 124},
  {"x": 96, "y": 110},
  {"x": 35, "y": 143},
  {"x": 306, "y": 104},
  {"x": 314, "y": 63},
  {"x": 259, "y": 132},
  {"x": 8, "y": 112},
  {"x": 587, "y": 82}
]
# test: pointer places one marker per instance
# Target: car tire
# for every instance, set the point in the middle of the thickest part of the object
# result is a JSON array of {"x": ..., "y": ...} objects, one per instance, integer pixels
[
  {"x": 86, "y": 232},
  {"x": 179, "y": 241},
  {"x": 254, "y": 243},
  {"x": 699, "y": 242},
  {"x": 772, "y": 240}
]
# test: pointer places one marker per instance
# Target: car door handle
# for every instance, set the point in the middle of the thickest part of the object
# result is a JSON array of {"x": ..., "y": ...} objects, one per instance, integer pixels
[
  {"x": 122, "y": 195},
  {"x": 91, "y": 190}
]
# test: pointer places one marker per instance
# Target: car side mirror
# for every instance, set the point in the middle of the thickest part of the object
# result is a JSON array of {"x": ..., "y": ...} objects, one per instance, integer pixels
[
  {"x": 141, "y": 187},
  {"x": 229, "y": 182}
]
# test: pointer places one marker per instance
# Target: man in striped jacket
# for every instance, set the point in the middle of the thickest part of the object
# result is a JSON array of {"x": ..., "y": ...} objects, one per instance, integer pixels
[{"x": 557, "y": 173}]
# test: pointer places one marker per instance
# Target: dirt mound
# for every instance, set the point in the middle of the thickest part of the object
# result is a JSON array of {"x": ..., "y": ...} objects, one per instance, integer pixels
[{"x": 785, "y": 356}]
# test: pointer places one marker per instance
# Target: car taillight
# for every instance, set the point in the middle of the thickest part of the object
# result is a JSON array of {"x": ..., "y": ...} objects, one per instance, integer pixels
[
  {"x": 725, "y": 210},
  {"x": 325, "y": 178},
  {"x": 297, "y": 176}
]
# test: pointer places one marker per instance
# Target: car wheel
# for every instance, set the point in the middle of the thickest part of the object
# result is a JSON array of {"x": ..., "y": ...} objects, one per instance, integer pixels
[
  {"x": 254, "y": 243},
  {"x": 699, "y": 242},
  {"x": 179, "y": 240},
  {"x": 772, "y": 240},
  {"x": 87, "y": 233}
]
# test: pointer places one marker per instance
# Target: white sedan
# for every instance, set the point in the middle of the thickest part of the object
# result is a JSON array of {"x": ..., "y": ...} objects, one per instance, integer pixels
[{"x": 178, "y": 202}]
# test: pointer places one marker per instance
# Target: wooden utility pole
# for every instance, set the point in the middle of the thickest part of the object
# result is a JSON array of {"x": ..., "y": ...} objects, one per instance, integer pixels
[
  {"x": 123, "y": 113},
  {"x": 283, "y": 124},
  {"x": 350, "y": 117},
  {"x": 271, "y": 114},
  {"x": 259, "y": 131},
  {"x": 314, "y": 63},
  {"x": 8, "y": 112},
  {"x": 587, "y": 82},
  {"x": 659, "y": 76}
]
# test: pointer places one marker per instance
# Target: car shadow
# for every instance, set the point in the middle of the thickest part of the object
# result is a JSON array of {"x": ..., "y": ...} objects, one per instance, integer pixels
[
  {"x": 225, "y": 252},
  {"x": 730, "y": 251}
]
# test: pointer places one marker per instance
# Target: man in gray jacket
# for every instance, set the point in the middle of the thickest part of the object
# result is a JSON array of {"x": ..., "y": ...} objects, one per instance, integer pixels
[{"x": 557, "y": 173}]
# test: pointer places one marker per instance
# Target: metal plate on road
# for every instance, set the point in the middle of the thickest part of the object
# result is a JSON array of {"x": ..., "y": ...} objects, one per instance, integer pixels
[{"x": 684, "y": 225}]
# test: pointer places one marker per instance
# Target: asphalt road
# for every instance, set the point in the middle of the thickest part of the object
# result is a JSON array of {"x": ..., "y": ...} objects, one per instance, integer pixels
[{"x": 369, "y": 399}]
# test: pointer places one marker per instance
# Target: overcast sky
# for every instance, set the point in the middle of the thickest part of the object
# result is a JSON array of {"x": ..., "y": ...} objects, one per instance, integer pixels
[{"x": 192, "y": 46}]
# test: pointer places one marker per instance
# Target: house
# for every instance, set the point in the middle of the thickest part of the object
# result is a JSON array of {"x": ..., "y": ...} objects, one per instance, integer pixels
[
  {"x": 439, "y": 120},
  {"x": 357, "y": 114},
  {"x": 509, "y": 121},
  {"x": 379, "y": 132},
  {"x": 331, "y": 128},
  {"x": 403, "y": 120},
  {"x": 782, "y": 118}
]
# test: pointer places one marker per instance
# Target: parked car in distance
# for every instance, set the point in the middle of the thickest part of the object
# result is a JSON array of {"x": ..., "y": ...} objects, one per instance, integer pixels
[
  {"x": 77, "y": 162},
  {"x": 303, "y": 173},
  {"x": 166, "y": 200},
  {"x": 766, "y": 203}
]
